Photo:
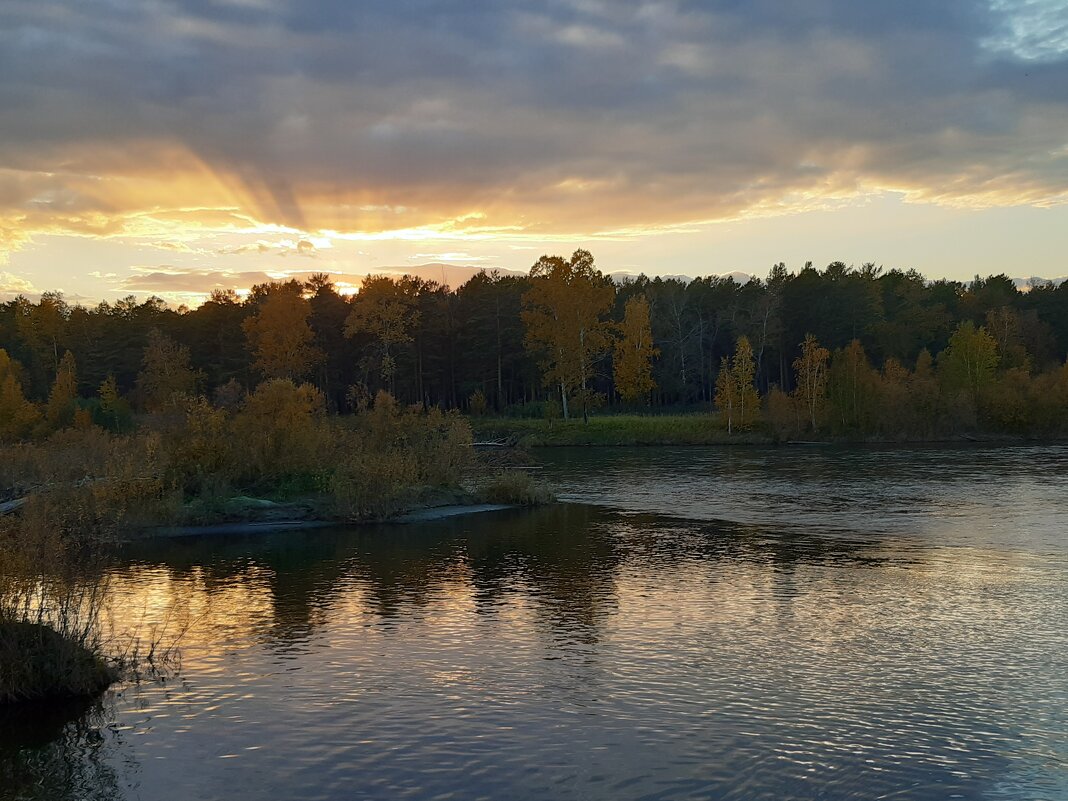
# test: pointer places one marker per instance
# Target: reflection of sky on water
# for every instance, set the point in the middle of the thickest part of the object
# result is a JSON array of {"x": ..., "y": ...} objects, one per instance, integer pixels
[
  {"x": 574, "y": 651},
  {"x": 1009, "y": 497}
]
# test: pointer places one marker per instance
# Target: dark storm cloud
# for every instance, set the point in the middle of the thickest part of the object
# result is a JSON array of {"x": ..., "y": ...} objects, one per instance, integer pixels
[{"x": 669, "y": 109}]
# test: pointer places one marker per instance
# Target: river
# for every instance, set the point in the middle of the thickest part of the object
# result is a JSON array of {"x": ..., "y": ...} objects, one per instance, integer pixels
[{"x": 691, "y": 623}]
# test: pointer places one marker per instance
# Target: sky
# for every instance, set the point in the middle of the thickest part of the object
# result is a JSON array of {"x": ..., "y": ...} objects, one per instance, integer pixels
[{"x": 172, "y": 147}]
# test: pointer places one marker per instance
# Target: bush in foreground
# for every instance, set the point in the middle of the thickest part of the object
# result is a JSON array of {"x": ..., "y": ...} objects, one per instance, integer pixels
[
  {"x": 38, "y": 661},
  {"x": 49, "y": 642}
]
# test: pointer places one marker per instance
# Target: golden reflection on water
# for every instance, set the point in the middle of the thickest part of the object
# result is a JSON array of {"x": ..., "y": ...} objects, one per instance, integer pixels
[
  {"x": 191, "y": 610},
  {"x": 219, "y": 607},
  {"x": 700, "y": 659}
]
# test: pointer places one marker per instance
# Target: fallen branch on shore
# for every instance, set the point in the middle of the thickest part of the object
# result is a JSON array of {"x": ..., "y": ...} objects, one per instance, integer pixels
[{"x": 7, "y": 507}]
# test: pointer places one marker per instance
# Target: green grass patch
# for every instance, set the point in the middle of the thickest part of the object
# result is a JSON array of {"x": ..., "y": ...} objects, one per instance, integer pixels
[{"x": 630, "y": 429}]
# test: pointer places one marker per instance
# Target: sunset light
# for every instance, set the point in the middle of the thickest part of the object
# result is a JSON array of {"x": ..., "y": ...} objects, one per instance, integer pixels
[
  {"x": 687, "y": 139},
  {"x": 533, "y": 400}
]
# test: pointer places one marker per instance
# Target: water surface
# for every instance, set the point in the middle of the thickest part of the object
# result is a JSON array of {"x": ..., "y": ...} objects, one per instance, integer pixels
[{"x": 695, "y": 623}]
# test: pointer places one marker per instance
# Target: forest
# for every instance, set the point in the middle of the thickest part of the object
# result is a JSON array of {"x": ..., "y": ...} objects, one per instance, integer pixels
[{"x": 842, "y": 351}]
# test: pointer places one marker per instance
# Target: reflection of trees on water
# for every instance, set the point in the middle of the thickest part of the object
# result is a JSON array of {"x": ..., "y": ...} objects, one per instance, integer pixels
[
  {"x": 667, "y": 546},
  {"x": 301, "y": 581},
  {"x": 297, "y": 578},
  {"x": 563, "y": 564},
  {"x": 557, "y": 555},
  {"x": 562, "y": 559},
  {"x": 401, "y": 568},
  {"x": 53, "y": 752},
  {"x": 552, "y": 555},
  {"x": 293, "y": 576}
]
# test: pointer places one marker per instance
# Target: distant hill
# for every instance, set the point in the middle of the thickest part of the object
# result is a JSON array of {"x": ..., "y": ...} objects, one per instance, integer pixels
[
  {"x": 451, "y": 275},
  {"x": 454, "y": 275},
  {"x": 1023, "y": 284},
  {"x": 622, "y": 277}
]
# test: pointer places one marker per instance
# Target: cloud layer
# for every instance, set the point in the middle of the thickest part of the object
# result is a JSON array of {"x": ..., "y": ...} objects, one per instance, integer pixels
[{"x": 468, "y": 118}]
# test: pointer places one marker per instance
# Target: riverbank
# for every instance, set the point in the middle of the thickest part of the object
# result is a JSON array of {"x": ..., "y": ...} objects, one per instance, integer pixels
[
  {"x": 631, "y": 429},
  {"x": 278, "y": 457},
  {"x": 416, "y": 514},
  {"x": 278, "y": 461},
  {"x": 689, "y": 429},
  {"x": 355, "y": 654}
]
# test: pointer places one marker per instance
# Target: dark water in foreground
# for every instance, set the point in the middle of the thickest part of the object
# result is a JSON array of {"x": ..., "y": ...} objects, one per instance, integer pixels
[{"x": 748, "y": 624}]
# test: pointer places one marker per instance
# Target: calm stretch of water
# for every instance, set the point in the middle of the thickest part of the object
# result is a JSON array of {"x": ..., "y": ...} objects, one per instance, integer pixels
[{"x": 697, "y": 623}]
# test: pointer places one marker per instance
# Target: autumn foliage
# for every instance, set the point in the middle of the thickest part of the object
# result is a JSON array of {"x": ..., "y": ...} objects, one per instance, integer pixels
[
  {"x": 567, "y": 327},
  {"x": 736, "y": 395},
  {"x": 839, "y": 352},
  {"x": 17, "y": 415},
  {"x": 279, "y": 334},
  {"x": 634, "y": 353}
]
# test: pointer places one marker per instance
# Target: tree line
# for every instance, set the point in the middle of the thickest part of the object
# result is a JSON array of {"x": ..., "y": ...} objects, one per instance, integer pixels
[{"x": 844, "y": 350}]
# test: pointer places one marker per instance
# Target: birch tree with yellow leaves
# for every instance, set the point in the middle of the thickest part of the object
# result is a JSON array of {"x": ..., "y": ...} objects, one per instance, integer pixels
[
  {"x": 279, "y": 334},
  {"x": 736, "y": 394},
  {"x": 632, "y": 361},
  {"x": 567, "y": 328},
  {"x": 811, "y": 370}
]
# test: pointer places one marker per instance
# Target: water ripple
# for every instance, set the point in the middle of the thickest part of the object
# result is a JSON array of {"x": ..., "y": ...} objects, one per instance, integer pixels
[{"x": 576, "y": 652}]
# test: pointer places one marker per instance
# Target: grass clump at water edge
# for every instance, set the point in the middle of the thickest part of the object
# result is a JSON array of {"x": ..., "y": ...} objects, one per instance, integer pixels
[
  {"x": 49, "y": 639},
  {"x": 54, "y": 589},
  {"x": 38, "y": 661},
  {"x": 517, "y": 488}
]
